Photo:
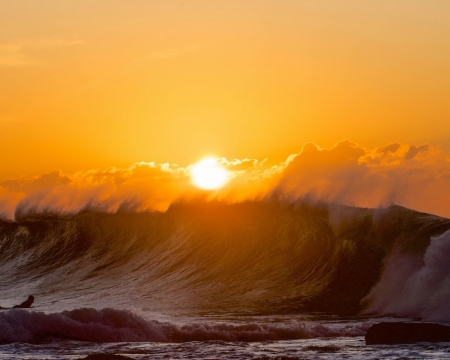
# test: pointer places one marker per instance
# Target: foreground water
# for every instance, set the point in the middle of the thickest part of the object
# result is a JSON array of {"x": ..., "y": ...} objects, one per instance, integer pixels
[
  {"x": 260, "y": 280},
  {"x": 225, "y": 337},
  {"x": 347, "y": 348},
  {"x": 330, "y": 339}
]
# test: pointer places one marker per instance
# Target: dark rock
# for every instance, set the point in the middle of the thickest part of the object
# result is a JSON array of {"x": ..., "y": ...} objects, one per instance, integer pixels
[
  {"x": 323, "y": 349},
  {"x": 105, "y": 357},
  {"x": 402, "y": 333}
]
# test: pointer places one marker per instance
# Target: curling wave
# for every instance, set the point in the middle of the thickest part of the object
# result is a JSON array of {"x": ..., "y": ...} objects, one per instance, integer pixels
[{"x": 255, "y": 257}]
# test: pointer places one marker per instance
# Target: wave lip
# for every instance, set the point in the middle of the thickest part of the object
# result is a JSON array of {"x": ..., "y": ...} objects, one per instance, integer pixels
[{"x": 112, "y": 325}]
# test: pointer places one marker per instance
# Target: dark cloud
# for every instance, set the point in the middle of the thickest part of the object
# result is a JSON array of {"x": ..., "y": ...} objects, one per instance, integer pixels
[
  {"x": 414, "y": 150},
  {"x": 392, "y": 148}
]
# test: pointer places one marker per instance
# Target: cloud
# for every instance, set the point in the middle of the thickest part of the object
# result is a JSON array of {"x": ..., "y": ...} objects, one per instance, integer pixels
[
  {"x": 174, "y": 52},
  {"x": 414, "y": 150},
  {"x": 413, "y": 176},
  {"x": 147, "y": 186},
  {"x": 392, "y": 148},
  {"x": 17, "y": 54},
  {"x": 409, "y": 175},
  {"x": 329, "y": 175},
  {"x": 55, "y": 43}
]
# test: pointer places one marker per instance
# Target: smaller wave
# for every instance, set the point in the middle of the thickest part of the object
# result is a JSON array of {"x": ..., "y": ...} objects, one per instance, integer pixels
[{"x": 112, "y": 325}]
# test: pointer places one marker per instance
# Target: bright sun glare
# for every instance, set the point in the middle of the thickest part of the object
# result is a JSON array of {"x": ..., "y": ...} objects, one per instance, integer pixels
[{"x": 208, "y": 175}]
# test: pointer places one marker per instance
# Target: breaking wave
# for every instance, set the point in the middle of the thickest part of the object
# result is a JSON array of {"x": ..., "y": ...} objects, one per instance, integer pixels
[
  {"x": 416, "y": 286},
  {"x": 110, "y": 325},
  {"x": 260, "y": 257}
]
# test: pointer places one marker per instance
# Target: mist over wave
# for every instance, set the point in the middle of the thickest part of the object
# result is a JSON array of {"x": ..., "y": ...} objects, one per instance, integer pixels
[{"x": 416, "y": 286}]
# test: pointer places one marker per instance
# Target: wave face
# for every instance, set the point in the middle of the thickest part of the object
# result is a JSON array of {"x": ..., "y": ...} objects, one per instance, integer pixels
[{"x": 210, "y": 257}]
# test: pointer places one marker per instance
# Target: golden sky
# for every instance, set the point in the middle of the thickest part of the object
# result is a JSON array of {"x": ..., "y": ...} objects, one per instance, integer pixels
[{"x": 108, "y": 84}]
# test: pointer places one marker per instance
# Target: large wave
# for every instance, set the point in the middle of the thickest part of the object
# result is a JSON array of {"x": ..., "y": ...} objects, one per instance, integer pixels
[{"x": 255, "y": 257}]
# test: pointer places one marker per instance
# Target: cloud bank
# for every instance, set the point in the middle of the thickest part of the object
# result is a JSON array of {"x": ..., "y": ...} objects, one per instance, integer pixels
[{"x": 417, "y": 177}]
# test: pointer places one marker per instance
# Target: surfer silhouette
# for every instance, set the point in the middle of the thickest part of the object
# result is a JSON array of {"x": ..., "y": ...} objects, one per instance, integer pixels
[{"x": 25, "y": 304}]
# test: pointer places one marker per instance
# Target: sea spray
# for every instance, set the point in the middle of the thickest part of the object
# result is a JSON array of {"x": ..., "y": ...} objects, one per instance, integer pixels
[{"x": 415, "y": 285}]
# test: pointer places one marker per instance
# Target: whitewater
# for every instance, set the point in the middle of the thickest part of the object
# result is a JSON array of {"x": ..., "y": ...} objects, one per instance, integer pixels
[{"x": 265, "y": 279}]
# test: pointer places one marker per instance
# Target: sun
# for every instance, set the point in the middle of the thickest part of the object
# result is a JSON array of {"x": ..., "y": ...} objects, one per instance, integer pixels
[{"x": 208, "y": 175}]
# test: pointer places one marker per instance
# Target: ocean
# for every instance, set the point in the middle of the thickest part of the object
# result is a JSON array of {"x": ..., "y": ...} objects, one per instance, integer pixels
[{"x": 267, "y": 279}]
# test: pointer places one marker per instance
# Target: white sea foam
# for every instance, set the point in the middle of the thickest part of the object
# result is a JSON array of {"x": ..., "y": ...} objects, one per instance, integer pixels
[
  {"x": 416, "y": 286},
  {"x": 111, "y": 325}
]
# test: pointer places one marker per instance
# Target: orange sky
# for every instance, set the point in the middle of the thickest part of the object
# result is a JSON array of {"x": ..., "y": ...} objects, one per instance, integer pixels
[{"x": 98, "y": 84}]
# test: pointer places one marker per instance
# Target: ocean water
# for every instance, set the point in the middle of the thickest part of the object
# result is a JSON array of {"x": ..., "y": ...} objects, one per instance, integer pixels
[{"x": 210, "y": 280}]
